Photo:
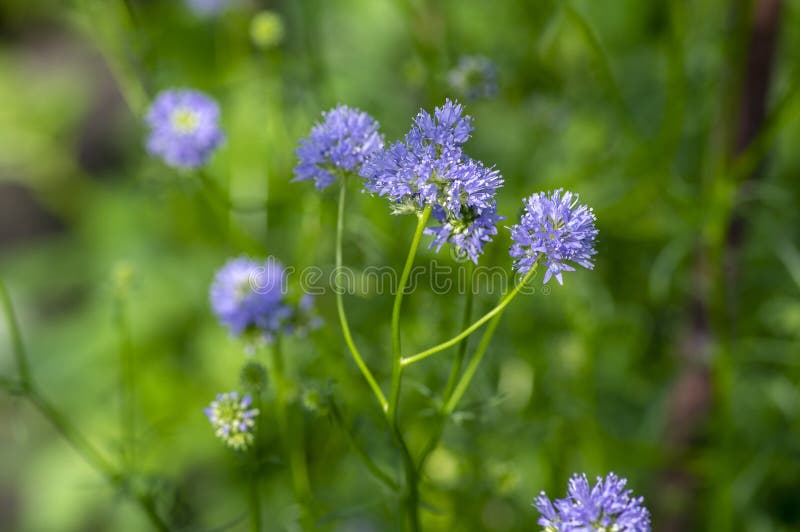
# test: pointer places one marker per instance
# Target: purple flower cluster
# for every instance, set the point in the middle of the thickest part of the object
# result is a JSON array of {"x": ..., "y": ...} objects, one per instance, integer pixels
[
  {"x": 605, "y": 506},
  {"x": 343, "y": 140},
  {"x": 184, "y": 128},
  {"x": 429, "y": 168},
  {"x": 475, "y": 77},
  {"x": 233, "y": 419},
  {"x": 250, "y": 295},
  {"x": 555, "y": 229}
]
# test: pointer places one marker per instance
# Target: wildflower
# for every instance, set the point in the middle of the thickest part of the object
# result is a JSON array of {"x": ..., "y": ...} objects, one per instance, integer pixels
[
  {"x": 184, "y": 128},
  {"x": 248, "y": 295},
  {"x": 233, "y": 419},
  {"x": 429, "y": 168},
  {"x": 207, "y": 8},
  {"x": 475, "y": 77},
  {"x": 607, "y": 506},
  {"x": 266, "y": 30},
  {"x": 556, "y": 229},
  {"x": 342, "y": 141}
]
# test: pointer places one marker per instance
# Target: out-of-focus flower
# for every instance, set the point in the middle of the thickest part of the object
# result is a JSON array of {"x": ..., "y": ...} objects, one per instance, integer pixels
[
  {"x": 606, "y": 506},
  {"x": 253, "y": 377},
  {"x": 266, "y": 29},
  {"x": 207, "y": 8},
  {"x": 344, "y": 139},
  {"x": 429, "y": 168},
  {"x": 247, "y": 294},
  {"x": 184, "y": 128},
  {"x": 233, "y": 419},
  {"x": 474, "y": 78},
  {"x": 557, "y": 230}
]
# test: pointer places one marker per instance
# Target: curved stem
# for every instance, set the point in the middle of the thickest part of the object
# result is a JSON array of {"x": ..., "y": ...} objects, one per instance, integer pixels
[
  {"x": 348, "y": 338},
  {"x": 472, "y": 328},
  {"x": 397, "y": 367}
]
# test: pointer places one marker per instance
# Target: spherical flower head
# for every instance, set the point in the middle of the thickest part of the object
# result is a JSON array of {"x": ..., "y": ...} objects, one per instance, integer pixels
[
  {"x": 605, "y": 507},
  {"x": 414, "y": 173},
  {"x": 342, "y": 141},
  {"x": 475, "y": 77},
  {"x": 249, "y": 295},
  {"x": 429, "y": 169},
  {"x": 557, "y": 230},
  {"x": 184, "y": 128},
  {"x": 233, "y": 419}
]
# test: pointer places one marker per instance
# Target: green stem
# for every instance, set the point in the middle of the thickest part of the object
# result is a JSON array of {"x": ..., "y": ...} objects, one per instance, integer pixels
[
  {"x": 74, "y": 438},
  {"x": 472, "y": 328},
  {"x": 370, "y": 464},
  {"x": 294, "y": 446},
  {"x": 348, "y": 338},
  {"x": 472, "y": 367},
  {"x": 255, "y": 505},
  {"x": 16, "y": 338},
  {"x": 128, "y": 385},
  {"x": 455, "y": 371},
  {"x": 397, "y": 367}
]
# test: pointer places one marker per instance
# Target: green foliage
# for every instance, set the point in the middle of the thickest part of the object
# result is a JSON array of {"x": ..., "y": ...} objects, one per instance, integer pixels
[{"x": 631, "y": 104}]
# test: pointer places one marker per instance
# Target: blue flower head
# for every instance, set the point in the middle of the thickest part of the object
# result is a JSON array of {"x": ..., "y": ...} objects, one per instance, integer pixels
[
  {"x": 429, "y": 168},
  {"x": 475, "y": 77},
  {"x": 605, "y": 506},
  {"x": 247, "y": 295},
  {"x": 555, "y": 229},
  {"x": 342, "y": 141},
  {"x": 233, "y": 419},
  {"x": 184, "y": 128},
  {"x": 207, "y": 8}
]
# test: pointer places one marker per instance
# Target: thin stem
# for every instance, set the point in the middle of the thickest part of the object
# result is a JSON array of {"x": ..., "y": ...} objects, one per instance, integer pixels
[
  {"x": 472, "y": 367},
  {"x": 254, "y": 501},
  {"x": 255, "y": 505},
  {"x": 348, "y": 338},
  {"x": 74, "y": 438},
  {"x": 397, "y": 367},
  {"x": 455, "y": 371},
  {"x": 294, "y": 449},
  {"x": 472, "y": 328},
  {"x": 370, "y": 464},
  {"x": 16, "y": 338},
  {"x": 128, "y": 384}
]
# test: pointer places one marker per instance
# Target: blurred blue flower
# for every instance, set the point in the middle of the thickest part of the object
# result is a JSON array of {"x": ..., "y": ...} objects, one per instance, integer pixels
[
  {"x": 556, "y": 229},
  {"x": 233, "y": 419},
  {"x": 207, "y": 8},
  {"x": 249, "y": 295},
  {"x": 429, "y": 168},
  {"x": 605, "y": 506},
  {"x": 343, "y": 140},
  {"x": 184, "y": 128},
  {"x": 475, "y": 77}
]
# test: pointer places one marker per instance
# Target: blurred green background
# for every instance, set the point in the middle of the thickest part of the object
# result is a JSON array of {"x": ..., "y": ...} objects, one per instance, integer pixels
[{"x": 676, "y": 363}]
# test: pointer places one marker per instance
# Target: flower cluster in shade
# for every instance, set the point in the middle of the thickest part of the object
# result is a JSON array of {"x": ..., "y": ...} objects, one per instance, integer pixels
[
  {"x": 606, "y": 506},
  {"x": 474, "y": 77},
  {"x": 429, "y": 169},
  {"x": 233, "y": 419},
  {"x": 344, "y": 139},
  {"x": 556, "y": 230},
  {"x": 184, "y": 128}
]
